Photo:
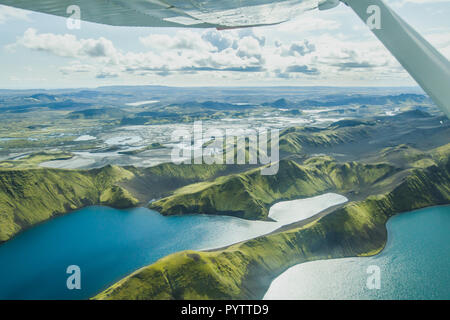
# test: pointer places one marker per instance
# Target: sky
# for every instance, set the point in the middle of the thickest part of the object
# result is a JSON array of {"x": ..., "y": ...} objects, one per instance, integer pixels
[{"x": 318, "y": 48}]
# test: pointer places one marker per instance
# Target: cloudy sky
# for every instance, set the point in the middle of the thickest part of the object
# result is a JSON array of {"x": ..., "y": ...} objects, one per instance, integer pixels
[{"x": 319, "y": 48}]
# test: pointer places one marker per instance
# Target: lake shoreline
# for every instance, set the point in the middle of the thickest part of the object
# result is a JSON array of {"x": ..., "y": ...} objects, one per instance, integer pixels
[
  {"x": 283, "y": 287},
  {"x": 128, "y": 239},
  {"x": 357, "y": 228}
]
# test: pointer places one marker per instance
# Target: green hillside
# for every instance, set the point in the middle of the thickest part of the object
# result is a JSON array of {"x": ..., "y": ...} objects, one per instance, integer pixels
[
  {"x": 30, "y": 194},
  {"x": 245, "y": 270},
  {"x": 28, "y": 197},
  {"x": 297, "y": 139},
  {"x": 249, "y": 195}
]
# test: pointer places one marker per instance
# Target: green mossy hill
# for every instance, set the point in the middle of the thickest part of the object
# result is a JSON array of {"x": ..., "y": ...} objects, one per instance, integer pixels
[
  {"x": 407, "y": 156},
  {"x": 245, "y": 270},
  {"x": 296, "y": 139},
  {"x": 186, "y": 171},
  {"x": 159, "y": 181},
  {"x": 249, "y": 195},
  {"x": 30, "y": 194},
  {"x": 117, "y": 197},
  {"x": 28, "y": 197},
  {"x": 441, "y": 154}
]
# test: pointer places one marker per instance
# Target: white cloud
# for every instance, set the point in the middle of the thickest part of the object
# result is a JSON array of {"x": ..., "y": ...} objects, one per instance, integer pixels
[
  {"x": 210, "y": 51},
  {"x": 76, "y": 67},
  {"x": 183, "y": 40},
  {"x": 330, "y": 56},
  {"x": 185, "y": 52},
  {"x": 66, "y": 45},
  {"x": 330, "y": 47}
]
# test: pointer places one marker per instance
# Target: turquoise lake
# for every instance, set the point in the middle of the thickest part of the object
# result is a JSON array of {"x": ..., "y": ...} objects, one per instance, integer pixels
[
  {"x": 108, "y": 244},
  {"x": 414, "y": 265}
]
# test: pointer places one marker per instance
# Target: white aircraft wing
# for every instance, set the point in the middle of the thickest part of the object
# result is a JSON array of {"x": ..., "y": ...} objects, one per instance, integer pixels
[
  {"x": 117, "y": 13},
  {"x": 174, "y": 13},
  {"x": 424, "y": 63}
]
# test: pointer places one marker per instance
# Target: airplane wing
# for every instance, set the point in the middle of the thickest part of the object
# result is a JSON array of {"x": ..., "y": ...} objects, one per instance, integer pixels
[
  {"x": 221, "y": 14},
  {"x": 111, "y": 12},
  {"x": 424, "y": 63}
]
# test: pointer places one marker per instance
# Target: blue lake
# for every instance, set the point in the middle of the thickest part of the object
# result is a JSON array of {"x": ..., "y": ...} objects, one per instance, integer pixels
[
  {"x": 414, "y": 265},
  {"x": 106, "y": 244}
]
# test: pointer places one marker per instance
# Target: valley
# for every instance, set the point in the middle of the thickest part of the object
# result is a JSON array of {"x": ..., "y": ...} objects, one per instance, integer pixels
[{"x": 385, "y": 150}]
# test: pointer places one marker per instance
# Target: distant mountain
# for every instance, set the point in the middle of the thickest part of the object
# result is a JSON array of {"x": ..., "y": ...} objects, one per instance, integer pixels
[
  {"x": 214, "y": 105},
  {"x": 280, "y": 103},
  {"x": 413, "y": 114},
  {"x": 345, "y": 100},
  {"x": 59, "y": 105},
  {"x": 97, "y": 113},
  {"x": 365, "y": 100},
  {"x": 350, "y": 123},
  {"x": 91, "y": 94}
]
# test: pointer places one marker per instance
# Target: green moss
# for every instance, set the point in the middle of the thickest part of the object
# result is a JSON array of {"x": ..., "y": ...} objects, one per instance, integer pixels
[
  {"x": 28, "y": 197},
  {"x": 250, "y": 194},
  {"x": 117, "y": 197},
  {"x": 32, "y": 195},
  {"x": 440, "y": 154},
  {"x": 245, "y": 270},
  {"x": 186, "y": 171},
  {"x": 295, "y": 140}
]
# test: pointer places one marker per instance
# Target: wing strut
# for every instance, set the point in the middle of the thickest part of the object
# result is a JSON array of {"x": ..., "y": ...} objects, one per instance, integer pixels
[{"x": 424, "y": 63}]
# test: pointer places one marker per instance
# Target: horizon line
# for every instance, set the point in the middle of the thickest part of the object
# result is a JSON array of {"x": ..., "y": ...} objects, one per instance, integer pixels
[{"x": 218, "y": 87}]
